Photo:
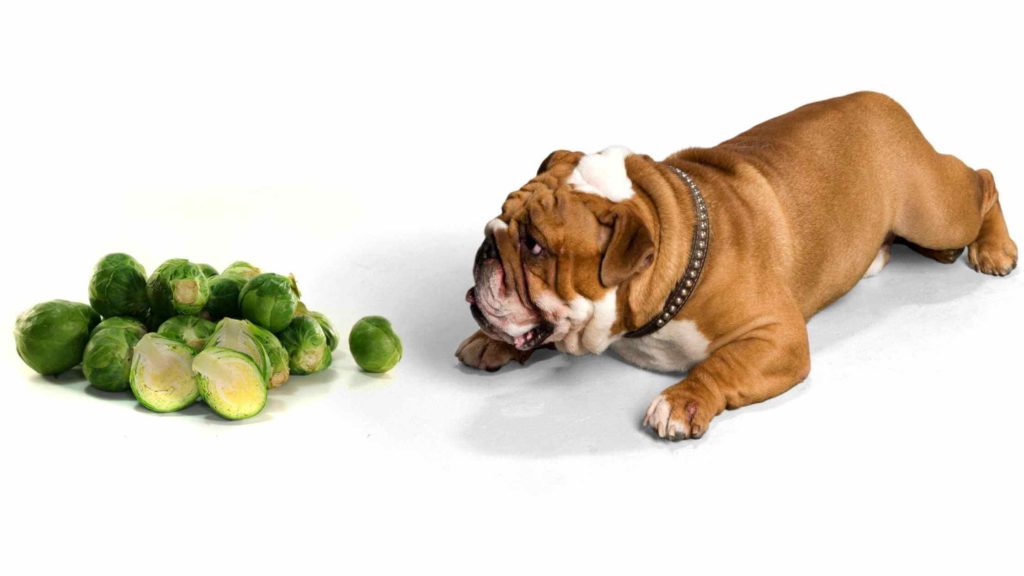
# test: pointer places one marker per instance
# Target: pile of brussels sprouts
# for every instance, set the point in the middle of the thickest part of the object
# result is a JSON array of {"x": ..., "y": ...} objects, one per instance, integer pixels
[{"x": 188, "y": 332}]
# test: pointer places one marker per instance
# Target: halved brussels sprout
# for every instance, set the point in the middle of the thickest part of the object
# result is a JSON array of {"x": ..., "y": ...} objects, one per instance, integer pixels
[
  {"x": 224, "y": 291},
  {"x": 328, "y": 328},
  {"x": 269, "y": 300},
  {"x": 107, "y": 362},
  {"x": 307, "y": 346},
  {"x": 238, "y": 335},
  {"x": 374, "y": 345},
  {"x": 118, "y": 287},
  {"x": 190, "y": 330},
  {"x": 243, "y": 269},
  {"x": 279, "y": 370},
  {"x": 230, "y": 383},
  {"x": 208, "y": 271},
  {"x": 177, "y": 287},
  {"x": 51, "y": 336},
  {"x": 122, "y": 323},
  {"x": 161, "y": 376}
]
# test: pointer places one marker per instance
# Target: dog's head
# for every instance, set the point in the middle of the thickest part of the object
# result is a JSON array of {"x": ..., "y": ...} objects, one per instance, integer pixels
[{"x": 550, "y": 265}]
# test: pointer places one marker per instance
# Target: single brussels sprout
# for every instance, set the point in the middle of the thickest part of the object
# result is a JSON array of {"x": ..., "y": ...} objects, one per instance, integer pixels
[
  {"x": 177, "y": 287},
  {"x": 269, "y": 300},
  {"x": 208, "y": 271},
  {"x": 161, "y": 376},
  {"x": 122, "y": 323},
  {"x": 328, "y": 328},
  {"x": 107, "y": 362},
  {"x": 238, "y": 335},
  {"x": 224, "y": 291},
  {"x": 374, "y": 345},
  {"x": 118, "y": 287},
  {"x": 243, "y": 269},
  {"x": 279, "y": 370},
  {"x": 230, "y": 383},
  {"x": 190, "y": 330},
  {"x": 51, "y": 336},
  {"x": 306, "y": 344}
]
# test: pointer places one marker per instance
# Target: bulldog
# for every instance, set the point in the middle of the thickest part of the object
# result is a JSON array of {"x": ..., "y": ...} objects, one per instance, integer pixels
[{"x": 711, "y": 261}]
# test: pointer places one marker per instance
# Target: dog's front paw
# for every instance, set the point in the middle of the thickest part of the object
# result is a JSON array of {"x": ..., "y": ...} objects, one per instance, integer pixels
[
  {"x": 679, "y": 413},
  {"x": 480, "y": 351}
]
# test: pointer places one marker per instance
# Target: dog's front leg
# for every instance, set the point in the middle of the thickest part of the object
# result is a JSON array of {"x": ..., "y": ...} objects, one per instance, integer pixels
[
  {"x": 485, "y": 353},
  {"x": 763, "y": 362}
]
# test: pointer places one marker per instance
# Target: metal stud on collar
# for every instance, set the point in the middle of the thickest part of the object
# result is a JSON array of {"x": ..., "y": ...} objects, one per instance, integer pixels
[{"x": 699, "y": 248}]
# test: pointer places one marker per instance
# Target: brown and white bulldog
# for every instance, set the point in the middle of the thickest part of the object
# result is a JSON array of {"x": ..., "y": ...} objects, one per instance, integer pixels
[{"x": 711, "y": 261}]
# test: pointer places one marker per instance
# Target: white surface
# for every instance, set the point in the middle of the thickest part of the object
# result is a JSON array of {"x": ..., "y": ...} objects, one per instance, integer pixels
[{"x": 363, "y": 149}]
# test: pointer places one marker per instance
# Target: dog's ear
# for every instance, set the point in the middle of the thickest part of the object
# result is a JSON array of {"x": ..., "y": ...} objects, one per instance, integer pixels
[
  {"x": 630, "y": 248},
  {"x": 556, "y": 157}
]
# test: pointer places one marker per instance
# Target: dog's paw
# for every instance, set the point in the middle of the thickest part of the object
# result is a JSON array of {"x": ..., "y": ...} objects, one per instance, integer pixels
[
  {"x": 679, "y": 414},
  {"x": 995, "y": 256},
  {"x": 484, "y": 353}
]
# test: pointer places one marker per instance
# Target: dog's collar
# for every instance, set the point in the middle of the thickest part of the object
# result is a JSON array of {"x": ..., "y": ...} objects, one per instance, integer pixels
[{"x": 698, "y": 256}]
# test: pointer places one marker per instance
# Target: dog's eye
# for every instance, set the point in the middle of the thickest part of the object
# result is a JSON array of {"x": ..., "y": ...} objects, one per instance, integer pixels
[{"x": 532, "y": 246}]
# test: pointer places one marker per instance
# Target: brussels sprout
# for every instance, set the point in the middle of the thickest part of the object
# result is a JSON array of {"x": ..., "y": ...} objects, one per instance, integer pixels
[
  {"x": 325, "y": 324},
  {"x": 328, "y": 328},
  {"x": 190, "y": 330},
  {"x": 307, "y": 346},
  {"x": 122, "y": 323},
  {"x": 161, "y": 376},
  {"x": 238, "y": 335},
  {"x": 118, "y": 287},
  {"x": 177, "y": 287},
  {"x": 230, "y": 383},
  {"x": 243, "y": 269},
  {"x": 208, "y": 271},
  {"x": 374, "y": 345},
  {"x": 269, "y": 300},
  {"x": 107, "y": 362},
  {"x": 51, "y": 336},
  {"x": 279, "y": 370},
  {"x": 224, "y": 290}
]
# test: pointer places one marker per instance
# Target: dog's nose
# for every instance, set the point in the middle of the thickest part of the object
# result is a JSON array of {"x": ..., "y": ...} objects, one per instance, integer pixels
[{"x": 487, "y": 250}]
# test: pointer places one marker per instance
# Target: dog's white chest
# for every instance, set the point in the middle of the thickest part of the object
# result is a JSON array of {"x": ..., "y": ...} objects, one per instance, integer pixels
[{"x": 676, "y": 347}]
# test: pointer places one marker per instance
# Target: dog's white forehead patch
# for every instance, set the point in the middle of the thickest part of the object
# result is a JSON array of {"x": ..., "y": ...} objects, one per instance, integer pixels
[{"x": 604, "y": 174}]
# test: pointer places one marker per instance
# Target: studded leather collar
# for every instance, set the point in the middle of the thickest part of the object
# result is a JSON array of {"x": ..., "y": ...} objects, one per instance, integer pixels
[{"x": 698, "y": 256}]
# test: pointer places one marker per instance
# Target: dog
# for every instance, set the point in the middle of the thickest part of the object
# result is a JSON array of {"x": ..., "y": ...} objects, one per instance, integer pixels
[{"x": 711, "y": 261}]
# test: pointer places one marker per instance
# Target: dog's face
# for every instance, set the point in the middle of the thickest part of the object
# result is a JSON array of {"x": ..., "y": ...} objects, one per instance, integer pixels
[{"x": 551, "y": 263}]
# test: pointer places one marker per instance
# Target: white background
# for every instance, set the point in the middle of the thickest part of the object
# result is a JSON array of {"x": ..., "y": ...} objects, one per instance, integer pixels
[{"x": 362, "y": 146}]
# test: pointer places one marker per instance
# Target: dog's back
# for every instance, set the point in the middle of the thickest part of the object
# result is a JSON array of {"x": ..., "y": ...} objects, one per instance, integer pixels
[{"x": 850, "y": 174}]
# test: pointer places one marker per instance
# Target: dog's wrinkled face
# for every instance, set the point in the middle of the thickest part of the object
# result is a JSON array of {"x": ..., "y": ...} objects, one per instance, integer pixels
[{"x": 550, "y": 264}]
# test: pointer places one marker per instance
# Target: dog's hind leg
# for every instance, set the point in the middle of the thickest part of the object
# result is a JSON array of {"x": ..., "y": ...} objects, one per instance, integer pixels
[
  {"x": 993, "y": 251},
  {"x": 947, "y": 256},
  {"x": 952, "y": 206}
]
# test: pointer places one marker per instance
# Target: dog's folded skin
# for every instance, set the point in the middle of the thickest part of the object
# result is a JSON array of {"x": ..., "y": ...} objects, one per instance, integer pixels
[{"x": 800, "y": 209}]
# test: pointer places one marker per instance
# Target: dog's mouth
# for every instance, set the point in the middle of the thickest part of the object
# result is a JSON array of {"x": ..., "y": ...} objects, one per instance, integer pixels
[{"x": 528, "y": 340}]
